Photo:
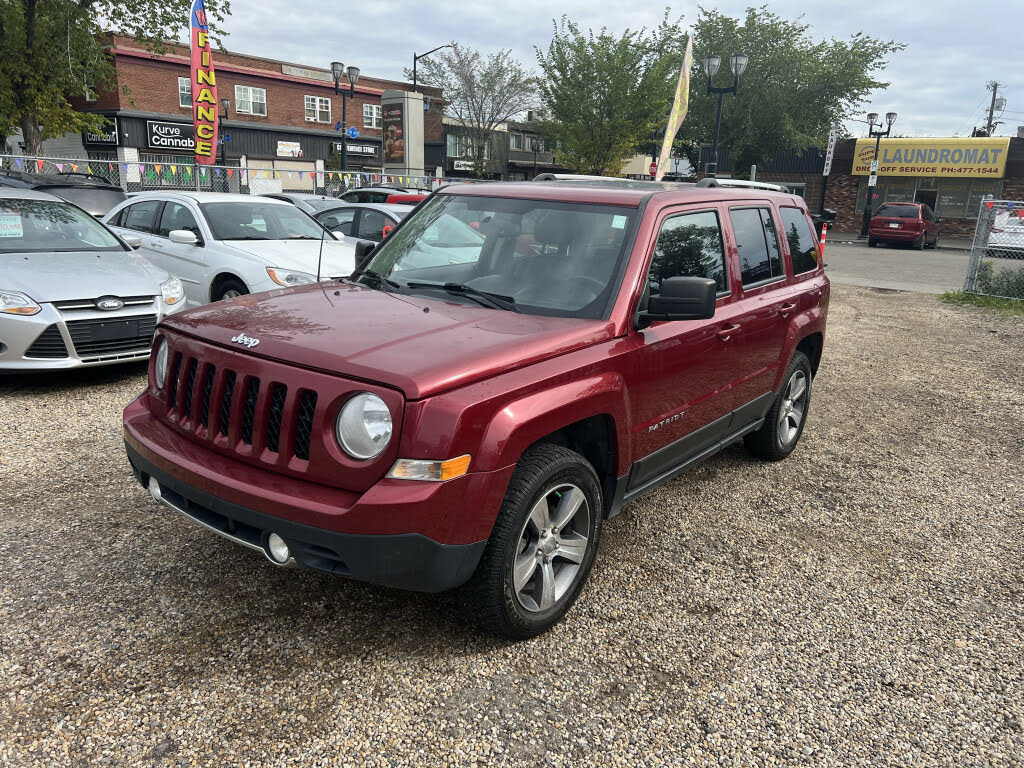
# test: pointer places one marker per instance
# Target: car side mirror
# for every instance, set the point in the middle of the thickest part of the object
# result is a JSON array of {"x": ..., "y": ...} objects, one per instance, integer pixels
[
  {"x": 132, "y": 241},
  {"x": 683, "y": 298},
  {"x": 182, "y": 237},
  {"x": 364, "y": 250}
]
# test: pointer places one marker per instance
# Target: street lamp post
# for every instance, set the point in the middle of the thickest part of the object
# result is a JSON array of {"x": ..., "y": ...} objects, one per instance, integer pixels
[
  {"x": 890, "y": 118},
  {"x": 225, "y": 105},
  {"x": 417, "y": 56},
  {"x": 737, "y": 63},
  {"x": 534, "y": 145},
  {"x": 352, "y": 73}
]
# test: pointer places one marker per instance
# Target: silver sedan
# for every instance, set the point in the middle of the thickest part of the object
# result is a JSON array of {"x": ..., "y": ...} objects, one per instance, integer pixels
[{"x": 72, "y": 293}]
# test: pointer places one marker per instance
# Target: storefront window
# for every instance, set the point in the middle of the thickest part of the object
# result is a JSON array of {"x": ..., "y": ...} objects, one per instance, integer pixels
[
  {"x": 900, "y": 190},
  {"x": 951, "y": 198},
  {"x": 951, "y": 201},
  {"x": 980, "y": 189}
]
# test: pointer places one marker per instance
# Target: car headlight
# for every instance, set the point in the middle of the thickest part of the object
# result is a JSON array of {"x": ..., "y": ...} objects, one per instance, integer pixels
[
  {"x": 160, "y": 367},
  {"x": 288, "y": 277},
  {"x": 363, "y": 428},
  {"x": 14, "y": 303},
  {"x": 172, "y": 291}
]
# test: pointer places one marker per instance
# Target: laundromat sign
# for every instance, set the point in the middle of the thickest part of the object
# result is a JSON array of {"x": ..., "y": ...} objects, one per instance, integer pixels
[{"x": 965, "y": 158}]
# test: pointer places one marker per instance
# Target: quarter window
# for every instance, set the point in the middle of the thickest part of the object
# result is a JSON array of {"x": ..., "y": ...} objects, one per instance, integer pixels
[
  {"x": 757, "y": 243},
  {"x": 250, "y": 101},
  {"x": 803, "y": 249},
  {"x": 689, "y": 245},
  {"x": 371, "y": 115},
  {"x": 141, "y": 216},
  {"x": 184, "y": 92},
  {"x": 318, "y": 109}
]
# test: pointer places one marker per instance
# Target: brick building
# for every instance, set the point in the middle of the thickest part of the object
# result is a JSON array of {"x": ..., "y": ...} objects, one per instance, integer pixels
[{"x": 281, "y": 115}]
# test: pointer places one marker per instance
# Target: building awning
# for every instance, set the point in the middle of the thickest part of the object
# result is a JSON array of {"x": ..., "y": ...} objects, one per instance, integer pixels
[{"x": 967, "y": 157}]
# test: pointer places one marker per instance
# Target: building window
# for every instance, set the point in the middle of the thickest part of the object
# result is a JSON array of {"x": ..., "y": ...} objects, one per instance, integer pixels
[
  {"x": 318, "y": 109},
  {"x": 456, "y": 147},
  {"x": 250, "y": 101},
  {"x": 517, "y": 141},
  {"x": 371, "y": 115},
  {"x": 184, "y": 93}
]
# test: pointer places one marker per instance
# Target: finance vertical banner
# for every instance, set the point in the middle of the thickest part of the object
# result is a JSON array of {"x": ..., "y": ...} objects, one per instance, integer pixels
[
  {"x": 679, "y": 108},
  {"x": 204, "y": 87}
]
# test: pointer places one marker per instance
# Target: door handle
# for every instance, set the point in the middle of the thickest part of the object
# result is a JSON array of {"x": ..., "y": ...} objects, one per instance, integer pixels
[
  {"x": 786, "y": 308},
  {"x": 727, "y": 330}
]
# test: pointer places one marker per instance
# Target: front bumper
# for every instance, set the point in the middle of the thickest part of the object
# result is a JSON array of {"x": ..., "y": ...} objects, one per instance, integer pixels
[
  {"x": 56, "y": 350},
  {"x": 404, "y": 561}
]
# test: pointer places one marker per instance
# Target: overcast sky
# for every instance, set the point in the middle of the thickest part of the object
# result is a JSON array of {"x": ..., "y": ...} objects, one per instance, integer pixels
[{"x": 937, "y": 83}]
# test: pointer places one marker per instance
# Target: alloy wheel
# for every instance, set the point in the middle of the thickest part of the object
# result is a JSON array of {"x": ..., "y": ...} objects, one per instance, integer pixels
[
  {"x": 552, "y": 547},
  {"x": 794, "y": 407}
]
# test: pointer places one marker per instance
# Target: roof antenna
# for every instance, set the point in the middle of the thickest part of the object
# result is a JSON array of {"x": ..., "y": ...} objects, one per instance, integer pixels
[{"x": 320, "y": 256}]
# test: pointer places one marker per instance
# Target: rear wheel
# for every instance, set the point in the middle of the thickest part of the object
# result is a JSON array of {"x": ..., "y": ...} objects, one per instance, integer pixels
[
  {"x": 872, "y": 242},
  {"x": 229, "y": 289},
  {"x": 541, "y": 548},
  {"x": 918, "y": 244},
  {"x": 784, "y": 424}
]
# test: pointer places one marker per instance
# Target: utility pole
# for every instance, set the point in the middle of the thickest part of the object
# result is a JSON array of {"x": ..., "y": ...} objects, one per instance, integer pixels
[{"x": 993, "y": 86}]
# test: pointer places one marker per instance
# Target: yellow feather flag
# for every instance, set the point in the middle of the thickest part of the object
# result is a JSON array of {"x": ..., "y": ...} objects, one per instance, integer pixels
[{"x": 679, "y": 108}]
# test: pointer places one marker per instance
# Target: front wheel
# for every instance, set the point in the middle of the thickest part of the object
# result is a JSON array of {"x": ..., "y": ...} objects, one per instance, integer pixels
[
  {"x": 784, "y": 424},
  {"x": 230, "y": 289},
  {"x": 541, "y": 548},
  {"x": 872, "y": 243}
]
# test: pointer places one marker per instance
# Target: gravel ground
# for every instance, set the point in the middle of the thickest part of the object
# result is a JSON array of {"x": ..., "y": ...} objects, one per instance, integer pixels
[{"x": 858, "y": 604}]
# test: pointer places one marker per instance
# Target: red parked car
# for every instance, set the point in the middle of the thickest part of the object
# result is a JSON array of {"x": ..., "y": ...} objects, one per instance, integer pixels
[
  {"x": 911, "y": 223},
  {"x": 506, "y": 370}
]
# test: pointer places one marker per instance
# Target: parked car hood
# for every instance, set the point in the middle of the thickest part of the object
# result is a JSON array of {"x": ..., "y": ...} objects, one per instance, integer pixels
[
  {"x": 419, "y": 345},
  {"x": 60, "y": 276},
  {"x": 301, "y": 255}
]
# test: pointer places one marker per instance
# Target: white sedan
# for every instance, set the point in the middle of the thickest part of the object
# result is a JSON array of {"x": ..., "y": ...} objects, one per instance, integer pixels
[{"x": 222, "y": 245}]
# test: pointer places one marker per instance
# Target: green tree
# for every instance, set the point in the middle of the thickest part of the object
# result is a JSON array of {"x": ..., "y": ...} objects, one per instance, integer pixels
[
  {"x": 794, "y": 88},
  {"x": 604, "y": 95},
  {"x": 54, "y": 50}
]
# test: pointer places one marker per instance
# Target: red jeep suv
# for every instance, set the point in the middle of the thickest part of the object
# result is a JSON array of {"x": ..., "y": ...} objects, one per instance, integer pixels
[{"x": 506, "y": 370}]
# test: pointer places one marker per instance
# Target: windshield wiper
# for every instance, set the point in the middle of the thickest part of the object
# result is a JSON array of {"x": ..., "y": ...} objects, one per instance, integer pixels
[
  {"x": 377, "y": 276},
  {"x": 496, "y": 300},
  {"x": 247, "y": 237},
  {"x": 301, "y": 237}
]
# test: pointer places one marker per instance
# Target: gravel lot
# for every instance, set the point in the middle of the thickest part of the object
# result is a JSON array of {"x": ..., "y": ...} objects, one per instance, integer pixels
[{"x": 858, "y": 604}]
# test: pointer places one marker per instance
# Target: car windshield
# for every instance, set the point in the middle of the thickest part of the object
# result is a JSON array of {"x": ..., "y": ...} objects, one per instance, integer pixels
[
  {"x": 554, "y": 259},
  {"x": 898, "y": 211},
  {"x": 260, "y": 221},
  {"x": 96, "y": 200},
  {"x": 48, "y": 225},
  {"x": 320, "y": 204}
]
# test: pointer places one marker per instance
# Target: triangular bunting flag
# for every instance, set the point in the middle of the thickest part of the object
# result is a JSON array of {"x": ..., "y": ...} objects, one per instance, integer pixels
[
  {"x": 124, "y": 168},
  {"x": 18, "y": 161},
  {"x": 142, "y": 168},
  {"x": 174, "y": 169},
  {"x": 60, "y": 167},
  {"x": 158, "y": 168},
  {"x": 88, "y": 168},
  {"x": 231, "y": 172},
  {"x": 74, "y": 167},
  {"x": 266, "y": 175},
  {"x": 988, "y": 205},
  {"x": 39, "y": 166},
  {"x": 110, "y": 167}
]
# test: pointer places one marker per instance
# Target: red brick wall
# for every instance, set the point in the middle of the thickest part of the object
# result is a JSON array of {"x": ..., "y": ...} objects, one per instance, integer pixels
[{"x": 153, "y": 87}]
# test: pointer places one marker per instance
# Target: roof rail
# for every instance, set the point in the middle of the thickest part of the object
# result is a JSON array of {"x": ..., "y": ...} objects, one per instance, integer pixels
[{"x": 710, "y": 181}]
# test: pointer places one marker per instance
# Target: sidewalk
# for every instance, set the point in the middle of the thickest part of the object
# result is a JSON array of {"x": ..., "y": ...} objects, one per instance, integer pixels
[{"x": 851, "y": 238}]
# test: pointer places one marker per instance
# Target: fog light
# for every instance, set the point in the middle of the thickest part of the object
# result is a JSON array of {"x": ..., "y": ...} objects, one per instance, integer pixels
[{"x": 278, "y": 549}]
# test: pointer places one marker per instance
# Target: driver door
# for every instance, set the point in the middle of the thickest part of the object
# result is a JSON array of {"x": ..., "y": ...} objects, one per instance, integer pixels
[{"x": 187, "y": 262}]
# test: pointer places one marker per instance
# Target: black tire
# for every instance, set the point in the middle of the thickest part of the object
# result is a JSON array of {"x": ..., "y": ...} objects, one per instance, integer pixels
[
  {"x": 767, "y": 443},
  {"x": 225, "y": 287},
  {"x": 489, "y": 599},
  {"x": 935, "y": 242},
  {"x": 919, "y": 243},
  {"x": 872, "y": 243}
]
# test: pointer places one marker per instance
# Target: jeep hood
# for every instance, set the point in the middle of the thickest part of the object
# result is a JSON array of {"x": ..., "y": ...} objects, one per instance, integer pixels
[{"x": 417, "y": 344}]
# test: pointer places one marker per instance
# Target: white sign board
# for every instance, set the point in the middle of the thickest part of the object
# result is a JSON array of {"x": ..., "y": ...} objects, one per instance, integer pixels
[
  {"x": 874, "y": 166},
  {"x": 289, "y": 149},
  {"x": 833, "y": 137},
  {"x": 872, "y": 180}
]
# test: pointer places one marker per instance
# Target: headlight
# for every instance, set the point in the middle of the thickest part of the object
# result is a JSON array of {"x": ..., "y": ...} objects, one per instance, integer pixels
[
  {"x": 13, "y": 303},
  {"x": 160, "y": 368},
  {"x": 363, "y": 428},
  {"x": 288, "y": 278},
  {"x": 173, "y": 291}
]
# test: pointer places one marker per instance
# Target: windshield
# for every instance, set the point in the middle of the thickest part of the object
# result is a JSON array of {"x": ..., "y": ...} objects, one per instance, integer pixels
[
  {"x": 96, "y": 200},
  {"x": 48, "y": 225},
  {"x": 321, "y": 204},
  {"x": 555, "y": 259},
  {"x": 260, "y": 221},
  {"x": 898, "y": 211}
]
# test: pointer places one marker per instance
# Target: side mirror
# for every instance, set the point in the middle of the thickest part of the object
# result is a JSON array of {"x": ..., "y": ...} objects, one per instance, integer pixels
[
  {"x": 364, "y": 250},
  {"x": 683, "y": 298},
  {"x": 182, "y": 237},
  {"x": 132, "y": 241}
]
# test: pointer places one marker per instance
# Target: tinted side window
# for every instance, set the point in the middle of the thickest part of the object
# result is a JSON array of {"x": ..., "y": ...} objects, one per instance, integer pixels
[
  {"x": 340, "y": 221},
  {"x": 757, "y": 243},
  {"x": 371, "y": 225},
  {"x": 802, "y": 246},
  {"x": 689, "y": 245},
  {"x": 141, "y": 216},
  {"x": 177, "y": 216}
]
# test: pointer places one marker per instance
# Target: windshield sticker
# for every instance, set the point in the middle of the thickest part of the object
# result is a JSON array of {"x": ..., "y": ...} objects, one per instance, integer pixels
[
  {"x": 618, "y": 222},
  {"x": 10, "y": 225}
]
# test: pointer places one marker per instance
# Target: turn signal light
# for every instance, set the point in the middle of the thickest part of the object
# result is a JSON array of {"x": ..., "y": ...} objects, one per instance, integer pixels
[{"x": 430, "y": 471}]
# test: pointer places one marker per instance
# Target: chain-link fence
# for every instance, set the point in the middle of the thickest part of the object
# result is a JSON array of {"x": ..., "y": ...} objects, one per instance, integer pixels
[
  {"x": 996, "y": 267},
  {"x": 257, "y": 178}
]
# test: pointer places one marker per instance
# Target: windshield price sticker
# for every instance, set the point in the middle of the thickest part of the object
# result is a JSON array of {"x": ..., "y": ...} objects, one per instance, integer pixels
[
  {"x": 10, "y": 225},
  {"x": 618, "y": 222}
]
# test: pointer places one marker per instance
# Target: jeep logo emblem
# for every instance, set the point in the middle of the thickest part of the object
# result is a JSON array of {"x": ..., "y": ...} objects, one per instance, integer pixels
[
  {"x": 246, "y": 340},
  {"x": 108, "y": 303}
]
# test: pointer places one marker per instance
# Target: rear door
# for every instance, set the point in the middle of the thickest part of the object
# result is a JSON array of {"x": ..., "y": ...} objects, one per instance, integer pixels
[
  {"x": 140, "y": 219},
  {"x": 768, "y": 299}
]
